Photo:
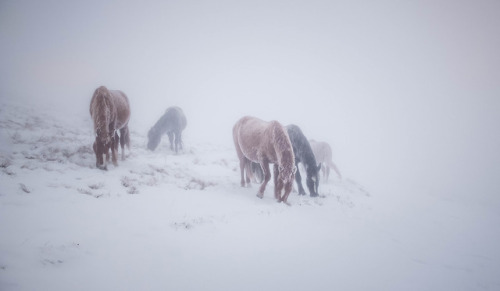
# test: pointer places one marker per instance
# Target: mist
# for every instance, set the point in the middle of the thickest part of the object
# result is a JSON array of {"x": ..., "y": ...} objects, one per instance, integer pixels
[{"x": 406, "y": 93}]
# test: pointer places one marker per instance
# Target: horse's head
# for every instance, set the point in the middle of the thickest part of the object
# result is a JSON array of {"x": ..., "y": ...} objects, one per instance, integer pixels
[
  {"x": 153, "y": 139},
  {"x": 102, "y": 144},
  {"x": 313, "y": 180}
]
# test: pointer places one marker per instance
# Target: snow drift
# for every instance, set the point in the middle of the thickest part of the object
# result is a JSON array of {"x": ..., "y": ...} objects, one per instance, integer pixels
[{"x": 161, "y": 221}]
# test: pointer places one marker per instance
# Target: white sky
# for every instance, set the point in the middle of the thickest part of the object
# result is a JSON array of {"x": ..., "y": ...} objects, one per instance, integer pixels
[{"x": 406, "y": 92}]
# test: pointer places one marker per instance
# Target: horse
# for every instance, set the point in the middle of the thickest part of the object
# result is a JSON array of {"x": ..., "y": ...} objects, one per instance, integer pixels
[
  {"x": 265, "y": 142},
  {"x": 110, "y": 112},
  {"x": 323, "y": 153},
  {"x": 173, "y": 122},
  {"x": 304, "y": 154}
]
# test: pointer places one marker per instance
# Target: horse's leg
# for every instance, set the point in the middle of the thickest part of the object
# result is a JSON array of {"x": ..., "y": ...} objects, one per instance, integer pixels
[
  {"x": 323, "y": 170},
  {"x": 113, "y": 152},
  {"x": 327, "y": 173},
  {"x": 174, "y": 139},
  {"x": 100, "y": 162},
  {"x": 242, "y": 159},
  {"x": 242, "y": 168},
  {"x": 107, "y": 156},
  {"x": 179, "y": 139},
  {"x": 248, "y": 170},
  {"x": 124, "y": 140},
  {"x": 171, "y": 139},
  {"x": 107, "y": 149},
  {"x": 267, "y": 176},
  {"x": 298, "y": 179},
  {"x": 127, "y": 139},
  {"x": 116, "y": 140},
  {"x": 288, "y": 189},
  {"x": 278, "y": 184}
]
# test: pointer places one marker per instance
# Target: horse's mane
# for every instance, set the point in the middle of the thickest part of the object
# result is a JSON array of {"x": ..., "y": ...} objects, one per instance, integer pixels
[
  {"x": 302, "y": 147},
  {"x": 101, "y": 109},
  {"x": 282, "y": 144}
]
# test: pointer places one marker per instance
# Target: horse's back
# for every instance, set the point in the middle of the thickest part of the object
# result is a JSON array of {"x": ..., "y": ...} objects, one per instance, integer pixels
[
  {"x": 249, "y": 129},
  {"x": 120, "y": 100},
  {"x": 322, "y": 151},
  {"x": 175, "y": 115},
  {"x": 259, "y": 139},
  {"x": 296, "y": 136},
  {"x": 248, "y": 135},
  {"x": 122, "y": 108}
]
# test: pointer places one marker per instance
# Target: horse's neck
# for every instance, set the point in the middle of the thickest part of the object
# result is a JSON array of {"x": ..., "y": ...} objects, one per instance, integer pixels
[
  {"x": 286, "y": 157},
  {"x": 162, "y": 125},
  {"x": 308, "y": 157}
]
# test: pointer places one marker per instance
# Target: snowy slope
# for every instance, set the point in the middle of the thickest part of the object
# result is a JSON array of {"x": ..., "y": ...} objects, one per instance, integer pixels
[{"x": 161, "y": 221}]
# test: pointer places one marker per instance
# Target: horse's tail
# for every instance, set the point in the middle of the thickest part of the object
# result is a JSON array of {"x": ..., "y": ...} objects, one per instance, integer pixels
[
  {"x": 248, "y": 169},
  {"x": 332, "y": 165},
  {"x": 256, "y": 170}
]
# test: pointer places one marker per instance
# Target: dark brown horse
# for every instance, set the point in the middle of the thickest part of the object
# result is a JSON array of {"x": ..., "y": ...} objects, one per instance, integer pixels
[
  {"x": 264, "y": 143},
  {"x": 110, "y": 111}
]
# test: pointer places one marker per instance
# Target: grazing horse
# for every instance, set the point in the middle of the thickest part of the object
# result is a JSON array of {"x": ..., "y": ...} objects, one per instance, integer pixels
[
  {"x": 173, "y": 122},
  {"x": 265, "y": 142},
  {"x": 110, "y": 111},
  {"x": 323, "y": 153},
  {"x": 304, "y": 154}
]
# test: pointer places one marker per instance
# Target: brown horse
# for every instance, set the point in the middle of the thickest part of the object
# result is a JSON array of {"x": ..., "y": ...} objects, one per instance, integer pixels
[
  {"x": 265, "y": 142},
  {"x": 323, "y": 153},
  {"x": 110, "y": 111}
]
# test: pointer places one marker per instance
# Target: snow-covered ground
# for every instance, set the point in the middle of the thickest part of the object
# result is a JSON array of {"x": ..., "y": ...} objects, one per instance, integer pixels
[{"x": 161, "y": 221}]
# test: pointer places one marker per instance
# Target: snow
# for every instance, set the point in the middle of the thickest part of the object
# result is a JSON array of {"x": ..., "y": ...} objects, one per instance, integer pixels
[{"x": 161, "y": 221}]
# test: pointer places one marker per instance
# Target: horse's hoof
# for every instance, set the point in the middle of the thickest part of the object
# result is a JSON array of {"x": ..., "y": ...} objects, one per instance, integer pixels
[
  {"x": 260, "y": 195},
  {"x": 314, "y": 195}
]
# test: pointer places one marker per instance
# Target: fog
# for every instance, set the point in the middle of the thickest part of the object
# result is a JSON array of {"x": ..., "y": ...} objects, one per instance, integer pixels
[{"x": 406, "y": 93}]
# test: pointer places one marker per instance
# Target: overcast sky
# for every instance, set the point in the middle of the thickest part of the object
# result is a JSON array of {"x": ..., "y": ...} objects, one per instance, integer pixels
[{"x": 406, "y": 92}]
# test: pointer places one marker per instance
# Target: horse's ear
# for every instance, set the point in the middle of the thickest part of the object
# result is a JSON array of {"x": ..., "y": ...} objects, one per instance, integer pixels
[{"x": 319, "y": 166}]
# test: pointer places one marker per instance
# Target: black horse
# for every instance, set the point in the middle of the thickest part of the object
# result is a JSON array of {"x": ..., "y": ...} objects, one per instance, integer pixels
[
  {"x": 304, "y": 154},
  {"x": 172, "y": 123}
]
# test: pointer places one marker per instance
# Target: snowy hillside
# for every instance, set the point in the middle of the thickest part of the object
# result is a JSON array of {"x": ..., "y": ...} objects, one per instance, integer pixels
[{"x": 161, "y": 221}]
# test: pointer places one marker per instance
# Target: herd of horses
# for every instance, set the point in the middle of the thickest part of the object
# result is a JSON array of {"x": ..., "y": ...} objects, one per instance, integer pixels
[{"x": 258, "y": 144}]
